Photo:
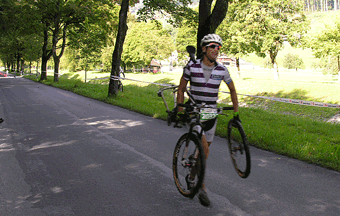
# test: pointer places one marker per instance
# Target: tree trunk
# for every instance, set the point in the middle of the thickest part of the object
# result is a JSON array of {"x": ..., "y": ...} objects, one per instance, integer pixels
[
  {"x": 308, "y": 5},
  {"x": 22, "y": 63},
  {"x": 8, "y": 66},
  {"x": 335, "y": 5},
  {"x": 209, "y": 21},
  {"x": 238, "y": 67},
  {"x": 338, "y": 63},
  {"x": 273, "y": 53},
  {"x": 56, "y": 68},
  {"x": 13, "y": 67},
  {"x": 338, "y": 69},
  {"x": 46, "y": 55},
  {"x": 18, "y": 62},
  {"x": 55, "y": 41},
  {"x": 117, "y": 53}
]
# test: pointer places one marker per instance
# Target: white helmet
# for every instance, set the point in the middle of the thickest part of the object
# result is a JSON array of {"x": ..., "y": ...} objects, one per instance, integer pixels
[{"x": 211, "y": 38}]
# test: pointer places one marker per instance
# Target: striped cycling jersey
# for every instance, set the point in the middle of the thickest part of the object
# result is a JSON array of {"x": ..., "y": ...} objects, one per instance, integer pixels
[{"x": 201, "y": 90}]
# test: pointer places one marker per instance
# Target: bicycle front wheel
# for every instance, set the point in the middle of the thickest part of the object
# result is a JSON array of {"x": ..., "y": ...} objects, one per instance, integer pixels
[
  {"x": 188, "y": 164},
  {"x": 238, "y": 148}
]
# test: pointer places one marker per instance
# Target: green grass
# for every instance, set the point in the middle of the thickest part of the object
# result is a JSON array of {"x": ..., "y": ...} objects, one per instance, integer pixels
[{"x": 287, "y": 129}]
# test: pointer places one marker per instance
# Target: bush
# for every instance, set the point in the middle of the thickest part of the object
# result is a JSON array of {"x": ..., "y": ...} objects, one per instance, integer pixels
[
  {"x": 328, "y": 64},
  {"x": 293, "y": 61}
]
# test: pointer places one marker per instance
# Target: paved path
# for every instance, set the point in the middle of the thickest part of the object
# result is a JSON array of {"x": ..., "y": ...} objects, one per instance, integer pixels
[{"x": 64, "y": 154}]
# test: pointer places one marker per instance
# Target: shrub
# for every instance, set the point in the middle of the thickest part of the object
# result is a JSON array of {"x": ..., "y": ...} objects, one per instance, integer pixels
[{"x": 293, "y": 61}]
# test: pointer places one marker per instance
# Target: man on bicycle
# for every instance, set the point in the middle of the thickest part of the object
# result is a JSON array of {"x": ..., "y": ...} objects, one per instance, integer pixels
[{"x": 205, "y": 76}]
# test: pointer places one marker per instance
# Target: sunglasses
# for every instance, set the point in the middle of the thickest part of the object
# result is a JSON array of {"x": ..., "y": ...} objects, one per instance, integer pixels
[{"x": 213, "y": 46}]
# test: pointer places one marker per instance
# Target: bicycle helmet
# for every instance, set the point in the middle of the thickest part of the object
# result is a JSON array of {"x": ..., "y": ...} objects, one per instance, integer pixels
[{"x": 211, "y": 38}]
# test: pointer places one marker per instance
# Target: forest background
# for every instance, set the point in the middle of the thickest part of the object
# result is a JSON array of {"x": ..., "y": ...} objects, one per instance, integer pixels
[{"x": 308, "y": 39}]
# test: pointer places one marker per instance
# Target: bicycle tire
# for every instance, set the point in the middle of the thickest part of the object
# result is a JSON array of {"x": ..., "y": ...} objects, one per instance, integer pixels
[
  {"x": 179, "y": 161},
  {"x": 238, "y": 146}
]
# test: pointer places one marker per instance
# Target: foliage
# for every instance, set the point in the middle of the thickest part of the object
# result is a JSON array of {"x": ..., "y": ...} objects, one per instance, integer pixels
[
  {"x": 82, "y": 24},
  {"x": 186, "y": 35},
  {"x": 209, "y": 16},
  {"x": 329, "y": 65},
  {"x": 174, "y": 11},
  {"x": 18, "y": 41},
  {"x": 293, "y": 61},
  {"x": 93, "y": 35},
  {"x": 262, "y": 26},
  {"x": 327, "y": 44},
  {"x": 146, "y": 41},
  {"x": 240, "y": 29}
]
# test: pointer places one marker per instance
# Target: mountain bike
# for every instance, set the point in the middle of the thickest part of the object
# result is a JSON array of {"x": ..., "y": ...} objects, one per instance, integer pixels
[{"x": 188, "y": 156}]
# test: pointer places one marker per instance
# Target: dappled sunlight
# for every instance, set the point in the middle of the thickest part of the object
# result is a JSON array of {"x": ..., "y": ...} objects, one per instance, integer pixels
[
  {"x": 115, "y": 124},
  {"x": 321, "y": 206},
  {"x": 132, "y": 166},
  {"x": 56, "y": 190},
  {"x": 51, "y": 144},
  {"x": 108, "y": 123},
  {"x": 92, "y": 166},
  {"x": 5, "y": 147}
]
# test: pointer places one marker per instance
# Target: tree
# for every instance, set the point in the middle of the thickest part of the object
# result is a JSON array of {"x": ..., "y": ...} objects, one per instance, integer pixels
[
  {"x": 176, "y": 11},
  {"x": 93, "y": 35},
  {"x": 59, "y": 19},
  {"x": 186, "y": 35},
  {"x": 209, "y": 16},
  {"x": 117, "y": 53},
  {"x": 240, "y": 32},
  {"x": 265, "y": 26},
  {"x": 140, "y": 48},
  {"x": 293, "y": 61},
  {"x": 328, "y": 44},
  {"x": 209, "y": 20},
  {"x": 14, "y": 36},
  {"x": 283, "y": 20}
]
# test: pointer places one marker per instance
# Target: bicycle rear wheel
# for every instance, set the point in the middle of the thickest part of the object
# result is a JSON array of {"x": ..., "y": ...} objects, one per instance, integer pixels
[
  {"x": 238, "y": 148},
  {"x": 188, "y": 159}
]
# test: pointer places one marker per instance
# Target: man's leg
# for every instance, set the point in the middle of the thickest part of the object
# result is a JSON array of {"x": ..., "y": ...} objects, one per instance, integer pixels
[
  {"x": 203, "y": 196},
  {"x": 206, "y": 145}
]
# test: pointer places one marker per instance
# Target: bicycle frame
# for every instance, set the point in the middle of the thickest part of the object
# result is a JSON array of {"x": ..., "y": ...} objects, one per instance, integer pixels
[{"x": 175, "y": 89}]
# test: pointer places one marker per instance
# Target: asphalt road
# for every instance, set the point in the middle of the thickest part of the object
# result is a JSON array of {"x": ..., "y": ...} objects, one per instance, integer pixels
[{"x": 64, "y": 154}]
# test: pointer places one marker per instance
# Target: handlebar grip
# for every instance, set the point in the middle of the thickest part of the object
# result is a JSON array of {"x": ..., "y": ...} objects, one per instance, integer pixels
[{"x": 228, "y": 108}]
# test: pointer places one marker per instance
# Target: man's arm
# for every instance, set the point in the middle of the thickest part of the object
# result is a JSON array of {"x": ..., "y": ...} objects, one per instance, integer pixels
[
  {"x": 233, "y": 95},
  {"x": 180, "y": 93}
]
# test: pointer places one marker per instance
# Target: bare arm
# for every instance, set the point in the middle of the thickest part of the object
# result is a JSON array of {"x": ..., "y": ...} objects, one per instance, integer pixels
[
  {"x": 180, "y": 93},
  {"x": 233, "y": 95}
]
